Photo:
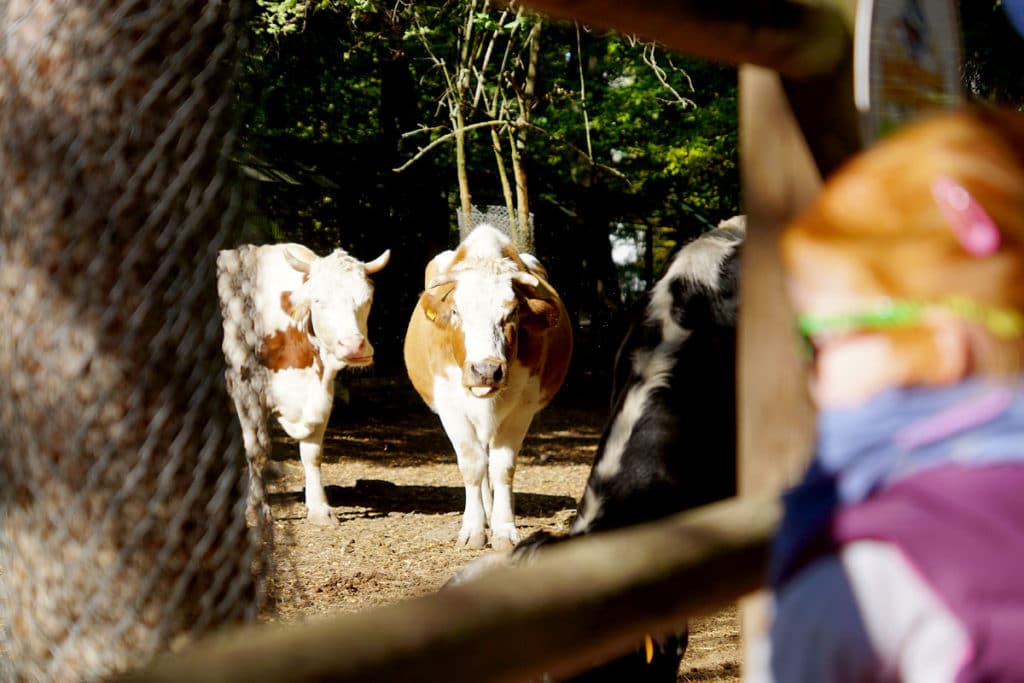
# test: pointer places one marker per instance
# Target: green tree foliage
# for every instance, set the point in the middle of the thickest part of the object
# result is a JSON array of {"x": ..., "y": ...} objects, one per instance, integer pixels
[
  {"x": 323, "y": 112},
  {"x": 617, "y": 137}
]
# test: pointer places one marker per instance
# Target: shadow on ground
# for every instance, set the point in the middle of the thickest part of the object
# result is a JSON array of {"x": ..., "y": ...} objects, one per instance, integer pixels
[{"x": 383, "y": 497}]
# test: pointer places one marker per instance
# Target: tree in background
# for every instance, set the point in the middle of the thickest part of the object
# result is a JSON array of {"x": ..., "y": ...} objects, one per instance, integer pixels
[
  {"x": 490, "y": 84},
  {"x": 595, "y": 134},
  {"x": 601, "y": 134}
]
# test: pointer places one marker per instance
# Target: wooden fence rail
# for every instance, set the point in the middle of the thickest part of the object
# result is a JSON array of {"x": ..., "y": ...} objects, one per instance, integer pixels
[
  {"x": 580, "y": 602},
  {"x": 798, "y": 39}
]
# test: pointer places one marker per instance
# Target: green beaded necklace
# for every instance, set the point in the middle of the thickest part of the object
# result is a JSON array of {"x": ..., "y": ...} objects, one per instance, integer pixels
[{"x": 1004, "y": 323}]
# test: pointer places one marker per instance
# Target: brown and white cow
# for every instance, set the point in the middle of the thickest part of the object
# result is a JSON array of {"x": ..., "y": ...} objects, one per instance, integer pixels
[
  {"x": 311, "y": 319},
  {"x": 487, "y": 347}
]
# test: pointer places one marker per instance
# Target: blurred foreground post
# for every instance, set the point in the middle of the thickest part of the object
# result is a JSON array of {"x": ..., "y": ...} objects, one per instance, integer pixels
[{"x": 122, "y": 482}]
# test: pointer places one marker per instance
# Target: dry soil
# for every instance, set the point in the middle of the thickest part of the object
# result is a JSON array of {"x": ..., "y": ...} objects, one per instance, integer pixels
[{"x": 389, "y": 470}]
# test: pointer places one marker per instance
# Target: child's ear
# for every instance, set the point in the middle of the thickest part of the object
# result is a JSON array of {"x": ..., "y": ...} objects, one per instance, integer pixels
[
  {"x": 935, "y": 355},
  {"x": 952, "y": 353}
]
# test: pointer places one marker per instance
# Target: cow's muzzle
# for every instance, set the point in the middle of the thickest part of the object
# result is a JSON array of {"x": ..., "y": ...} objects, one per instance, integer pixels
[
  {"x": 354, "y": 350},
  {"x": 485, "y": 378}
]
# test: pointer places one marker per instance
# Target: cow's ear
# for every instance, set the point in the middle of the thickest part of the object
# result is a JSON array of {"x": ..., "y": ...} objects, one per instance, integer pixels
[
  {"x": 437, "y": 305},
  {"x": 538, "y": 315},
  {"x": 296, "y": 304}
]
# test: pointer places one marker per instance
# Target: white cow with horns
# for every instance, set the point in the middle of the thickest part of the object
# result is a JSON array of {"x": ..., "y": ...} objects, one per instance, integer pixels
[{"x": 310, "y": 322}]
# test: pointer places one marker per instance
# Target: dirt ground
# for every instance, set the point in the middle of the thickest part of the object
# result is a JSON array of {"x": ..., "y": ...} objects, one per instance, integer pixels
[{"x": 389, "y": 470}]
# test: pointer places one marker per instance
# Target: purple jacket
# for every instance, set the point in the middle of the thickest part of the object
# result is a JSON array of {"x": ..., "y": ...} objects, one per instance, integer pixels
[
  {"x": 939, "y": 473},
  {"x": 963, "y": 529}
]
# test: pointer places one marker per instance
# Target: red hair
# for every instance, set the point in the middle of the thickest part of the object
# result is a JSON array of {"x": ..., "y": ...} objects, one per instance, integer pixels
[{"x": 876, "y": 232}]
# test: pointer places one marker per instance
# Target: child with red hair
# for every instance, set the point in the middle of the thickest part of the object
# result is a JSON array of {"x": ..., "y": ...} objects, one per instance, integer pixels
[{"x": 901, "y": 553}]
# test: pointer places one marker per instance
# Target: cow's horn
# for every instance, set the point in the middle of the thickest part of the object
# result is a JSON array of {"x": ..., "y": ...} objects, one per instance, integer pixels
[
  {"x": 525, "y": 279},
  {"x": 378, "y": 263},
  {"x": 296, "y": 261}
]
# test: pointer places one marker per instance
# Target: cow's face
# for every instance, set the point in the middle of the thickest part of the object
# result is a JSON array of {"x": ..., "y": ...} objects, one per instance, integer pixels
[
  {"x": 335, "y": 299},
  {"x": 483, "y": 312}
]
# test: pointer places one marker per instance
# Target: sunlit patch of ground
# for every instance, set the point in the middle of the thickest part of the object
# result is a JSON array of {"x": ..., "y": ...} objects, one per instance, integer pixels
[{"x": 392, "y": 475}]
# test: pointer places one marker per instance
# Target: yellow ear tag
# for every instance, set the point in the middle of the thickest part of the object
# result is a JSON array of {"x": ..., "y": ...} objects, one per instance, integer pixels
[
  {"x": 648, "y": 647},
  {"x": 431, "y": 315}
]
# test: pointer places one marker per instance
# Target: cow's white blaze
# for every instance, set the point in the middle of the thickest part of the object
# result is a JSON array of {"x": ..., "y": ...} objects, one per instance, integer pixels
[{"x": 484, "y": 298}]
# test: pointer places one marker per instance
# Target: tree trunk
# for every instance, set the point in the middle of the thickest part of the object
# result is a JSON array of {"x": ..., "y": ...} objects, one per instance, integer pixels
[
  {"x": 499, "y": 162},
  {"x": 458, "y": 105},
  {"x": 122, "y": 526},
  {"x": 526, "y": 102},
  {"x": 461, "y": 170}
]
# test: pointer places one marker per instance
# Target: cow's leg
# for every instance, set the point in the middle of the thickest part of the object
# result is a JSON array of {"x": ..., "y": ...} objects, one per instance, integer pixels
[
  {"x": 472, "y": 458},
  {"x": 485, "y": 493},
  {"x": 312, "y": 454},
  {"x": 502, "y": 466}
]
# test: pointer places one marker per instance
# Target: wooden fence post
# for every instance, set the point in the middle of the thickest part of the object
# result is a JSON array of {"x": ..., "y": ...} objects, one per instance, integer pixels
[{"x": 792, "y": 133}]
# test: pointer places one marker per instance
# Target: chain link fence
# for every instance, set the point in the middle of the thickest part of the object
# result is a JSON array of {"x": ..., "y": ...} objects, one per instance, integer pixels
[{"x": 123, "y": 481}]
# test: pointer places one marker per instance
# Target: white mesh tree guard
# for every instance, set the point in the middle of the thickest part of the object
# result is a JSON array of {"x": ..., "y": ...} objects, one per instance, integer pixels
[{"x": 499, "y": 217}]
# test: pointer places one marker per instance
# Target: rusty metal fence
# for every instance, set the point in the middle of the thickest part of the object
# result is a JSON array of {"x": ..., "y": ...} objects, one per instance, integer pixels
[{"x": 122, "y": 476}]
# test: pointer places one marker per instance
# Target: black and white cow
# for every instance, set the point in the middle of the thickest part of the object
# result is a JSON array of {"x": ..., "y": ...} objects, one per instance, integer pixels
[{"x": 670, "y": 444}]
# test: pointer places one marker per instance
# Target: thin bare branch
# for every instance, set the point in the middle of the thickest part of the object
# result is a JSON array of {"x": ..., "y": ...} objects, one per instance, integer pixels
[
  {"x": 445, "y": 138},
  {"x": 482, "y": 70},
  {"x": 582, "y": 153},
  {"x": 650, "y": 57},
  {"x": 421, "y": 130},
  {"x": 583, "y": 94},
  {"x": 440, "y": 63}
]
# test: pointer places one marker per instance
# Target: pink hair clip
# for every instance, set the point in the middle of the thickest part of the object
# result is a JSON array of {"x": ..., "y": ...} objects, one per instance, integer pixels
[{"x": 973, "y": 227}]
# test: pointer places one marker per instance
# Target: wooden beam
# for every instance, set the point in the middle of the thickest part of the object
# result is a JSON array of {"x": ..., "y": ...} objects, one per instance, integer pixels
[
  {"x": 780, "y": 177},
  {"x": 582, "y": 601},
  {"x": 798, "y": 39}
]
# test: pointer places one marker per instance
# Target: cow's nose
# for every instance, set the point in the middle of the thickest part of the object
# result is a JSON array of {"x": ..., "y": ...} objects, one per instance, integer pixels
[
  {"x": 487, "y": 373},
  {"x": 352, "y": 347}
]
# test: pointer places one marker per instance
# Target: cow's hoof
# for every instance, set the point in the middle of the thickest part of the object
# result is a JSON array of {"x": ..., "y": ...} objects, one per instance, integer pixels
[
  {"x": 504, "y": 537},
  {"x": 472, "y": 538},
  {"x": 321, "y": 516}
]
